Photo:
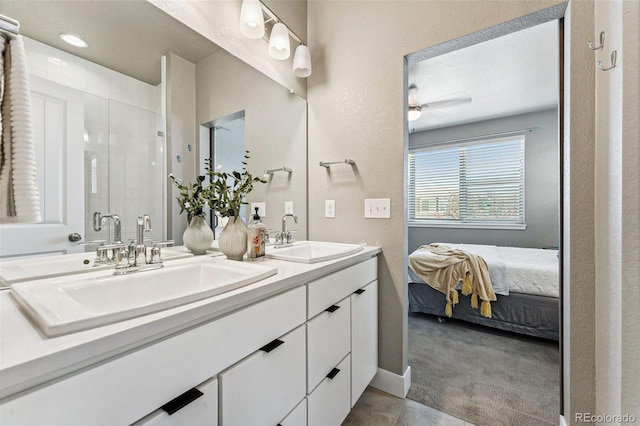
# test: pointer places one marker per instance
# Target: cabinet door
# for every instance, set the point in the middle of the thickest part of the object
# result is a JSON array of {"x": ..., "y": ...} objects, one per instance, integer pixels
[
  {"x": 329, "y": 403},
  {"x": 328, "y": 341},
  {"x": 364, "y": 338},
  {"x": 198, "y": 407},
  {"x": 264, "y": 387}
]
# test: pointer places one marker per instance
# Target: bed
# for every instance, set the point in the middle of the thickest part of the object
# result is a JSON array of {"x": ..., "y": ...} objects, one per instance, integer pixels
[{"x": 525, "y": 282}]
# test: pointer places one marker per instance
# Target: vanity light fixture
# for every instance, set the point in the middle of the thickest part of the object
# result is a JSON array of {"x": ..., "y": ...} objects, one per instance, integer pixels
[
  {"x": 279, "y": 46},
  {"x": 74, "y": 40},
  {"x": 302, "y": 62},
  {"x": 251, "y": 19}
]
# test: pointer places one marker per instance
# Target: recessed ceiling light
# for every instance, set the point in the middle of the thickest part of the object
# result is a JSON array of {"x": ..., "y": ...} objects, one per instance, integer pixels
[{"x": 74, "y": 40}]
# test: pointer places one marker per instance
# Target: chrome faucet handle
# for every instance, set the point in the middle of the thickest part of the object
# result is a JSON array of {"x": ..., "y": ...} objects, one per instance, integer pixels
[
  {"x": 107, "y": 252},
  {"x": 155, "y": 255},
  {"x": 289, "y": 237}
]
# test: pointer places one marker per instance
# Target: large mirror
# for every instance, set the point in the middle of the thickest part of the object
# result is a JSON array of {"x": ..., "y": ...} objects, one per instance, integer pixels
[{"x": 143, "y": 99}]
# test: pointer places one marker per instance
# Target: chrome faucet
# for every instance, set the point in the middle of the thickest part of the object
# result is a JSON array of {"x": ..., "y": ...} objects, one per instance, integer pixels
[
  {"x": 133, "y": 257},
  {"x": 100, "y": 220},
  {"x": 284, "y": 237}
]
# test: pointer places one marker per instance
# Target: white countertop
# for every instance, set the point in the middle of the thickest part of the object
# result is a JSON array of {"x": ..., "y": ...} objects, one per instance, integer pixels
[{"x": 28, "y": 358}]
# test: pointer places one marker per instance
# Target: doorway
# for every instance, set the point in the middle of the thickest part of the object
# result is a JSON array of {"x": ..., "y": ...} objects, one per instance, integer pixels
[{"x": 461, "y": 132}]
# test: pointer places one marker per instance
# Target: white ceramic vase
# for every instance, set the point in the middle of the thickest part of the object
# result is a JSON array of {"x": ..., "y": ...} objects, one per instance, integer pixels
[
  {"x": 233, "y": 239},
  {"x": 198, "y": 236}
]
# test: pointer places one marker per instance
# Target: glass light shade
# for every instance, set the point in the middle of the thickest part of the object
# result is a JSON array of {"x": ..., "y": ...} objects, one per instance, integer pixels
[
  {"x": 414, "y": 113},
  {"x": 251, "y": 19},
  {"x": 302, "y": 62},
  {"x": 279, "y": 47}
]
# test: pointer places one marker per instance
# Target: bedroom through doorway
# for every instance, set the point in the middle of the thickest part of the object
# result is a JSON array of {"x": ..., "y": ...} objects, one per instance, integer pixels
[{"x": 484, "y": 197}]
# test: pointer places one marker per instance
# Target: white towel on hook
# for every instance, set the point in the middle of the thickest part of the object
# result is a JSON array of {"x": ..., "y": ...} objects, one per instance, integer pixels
[{"x": 19, "y": 195}]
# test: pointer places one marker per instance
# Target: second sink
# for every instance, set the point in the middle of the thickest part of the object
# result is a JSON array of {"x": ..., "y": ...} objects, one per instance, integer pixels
[{"x": 312, "y": 251}]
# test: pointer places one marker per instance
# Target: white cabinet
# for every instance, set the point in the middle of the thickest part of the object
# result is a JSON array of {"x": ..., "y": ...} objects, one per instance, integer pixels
[
  {"x": 140, "y": 382},
  {"x": 301, "y": 357},
  {"x": 348, "y": 336},
  {"x": 329, "y": 403},
  {"x": 196, "y": 407},
  {"x": 364, "y": 338},
  {"x": 328, "y": 341},
  {"x": 264, "y": 387}
]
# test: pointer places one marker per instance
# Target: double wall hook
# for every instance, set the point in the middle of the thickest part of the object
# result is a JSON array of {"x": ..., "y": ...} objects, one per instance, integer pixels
[
  {"x": 614, "y": 56},
  {"x": 592, "y": 47}
]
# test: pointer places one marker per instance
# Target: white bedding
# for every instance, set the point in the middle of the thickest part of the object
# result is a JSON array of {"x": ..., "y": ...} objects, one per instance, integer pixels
[{"x": 514, "y": 269}]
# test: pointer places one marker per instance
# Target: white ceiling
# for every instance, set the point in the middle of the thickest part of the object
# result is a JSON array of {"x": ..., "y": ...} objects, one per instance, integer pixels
[
  {"x": 128, "y": 36},
  {"x": 508, "y": 75}
]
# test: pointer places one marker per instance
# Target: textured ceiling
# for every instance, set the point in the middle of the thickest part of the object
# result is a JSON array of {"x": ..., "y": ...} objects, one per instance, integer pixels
[
  {"x": 127, "y": 36},
  {"x": 508, "y": 75}
]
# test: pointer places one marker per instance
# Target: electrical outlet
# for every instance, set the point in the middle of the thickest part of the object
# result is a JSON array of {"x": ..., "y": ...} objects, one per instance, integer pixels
[
  {"x": 288, "y": 207},
  {"x": 262, "y": 209},
  {"x": 329, "y": 208},
  {"x": 377, "y": 208}
]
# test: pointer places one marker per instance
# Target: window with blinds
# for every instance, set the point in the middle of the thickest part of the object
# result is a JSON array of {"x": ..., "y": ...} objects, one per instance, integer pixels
[{"x": 478, "y": 182}]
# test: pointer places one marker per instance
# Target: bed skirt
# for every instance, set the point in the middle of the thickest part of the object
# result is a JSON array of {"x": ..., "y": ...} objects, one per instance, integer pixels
[{"x": 529, "y": 314}]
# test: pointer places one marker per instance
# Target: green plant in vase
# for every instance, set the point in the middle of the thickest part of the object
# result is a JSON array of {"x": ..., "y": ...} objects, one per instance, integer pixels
[
  {"x": 226, "y": 195},
  {"x": 193, "y": 199}
]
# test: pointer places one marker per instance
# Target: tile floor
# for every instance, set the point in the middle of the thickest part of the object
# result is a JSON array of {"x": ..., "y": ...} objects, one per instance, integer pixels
[{"x": 377, "y": 408}]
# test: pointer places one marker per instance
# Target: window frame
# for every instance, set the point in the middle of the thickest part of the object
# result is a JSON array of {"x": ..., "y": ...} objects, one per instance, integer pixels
[{"x": 463, "y": 222}]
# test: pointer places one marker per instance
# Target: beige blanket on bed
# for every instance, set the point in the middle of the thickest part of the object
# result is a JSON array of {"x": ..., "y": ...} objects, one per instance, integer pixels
[{"x": 443, "y": 268}]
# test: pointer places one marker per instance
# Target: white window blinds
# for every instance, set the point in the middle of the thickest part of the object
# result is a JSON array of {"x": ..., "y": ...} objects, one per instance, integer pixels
[{"x": 480, "y": 182}]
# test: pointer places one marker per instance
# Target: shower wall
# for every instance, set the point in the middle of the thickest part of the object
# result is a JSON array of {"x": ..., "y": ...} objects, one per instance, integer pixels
[{"x": 124, "y": 144}]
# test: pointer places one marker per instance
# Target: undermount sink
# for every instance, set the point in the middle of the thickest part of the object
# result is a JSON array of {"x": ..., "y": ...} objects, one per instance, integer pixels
[
  {"x": 312, "y": 251},
  {"x": 69, "y": 304},
  {"x": 37, "y": 267}
]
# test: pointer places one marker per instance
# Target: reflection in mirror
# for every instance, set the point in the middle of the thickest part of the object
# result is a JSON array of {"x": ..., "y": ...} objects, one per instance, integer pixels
[
  {"x": 227, "y": 152},
  {"x": 110, "y": 94}
]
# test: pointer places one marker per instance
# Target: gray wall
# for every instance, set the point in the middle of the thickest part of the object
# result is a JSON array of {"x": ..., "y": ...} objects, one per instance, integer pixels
[{"x": 541, "y": 183}]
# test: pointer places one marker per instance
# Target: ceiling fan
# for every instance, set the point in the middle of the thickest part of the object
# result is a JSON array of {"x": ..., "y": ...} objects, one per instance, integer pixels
[{"x": 415, "y": 107}]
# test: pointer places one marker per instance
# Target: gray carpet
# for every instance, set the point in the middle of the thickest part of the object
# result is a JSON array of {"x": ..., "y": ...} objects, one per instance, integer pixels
[{"x": 483, "y": 376}]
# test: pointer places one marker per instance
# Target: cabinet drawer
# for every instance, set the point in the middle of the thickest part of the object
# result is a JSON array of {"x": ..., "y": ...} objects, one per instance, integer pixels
[
  {"x": 264, "y": 387},
  {"x": 199, "y": 412},
  {"x": 298, "y": 417},
  {"x": 330, "y": 402},
  {"x": 161, "y": 370},
  {"x": 325, "y": 291},
  {"x": 328, "y": 341}
]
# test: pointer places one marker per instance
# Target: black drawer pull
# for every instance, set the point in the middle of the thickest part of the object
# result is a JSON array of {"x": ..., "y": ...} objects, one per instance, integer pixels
[
  {"x": 360, "y": 291},
  {"x": 333, "y": 373},
  {"x": 332, "y": 308},
  {"x": 182, "y": 401},
  {"x": 271, "y": 346}
]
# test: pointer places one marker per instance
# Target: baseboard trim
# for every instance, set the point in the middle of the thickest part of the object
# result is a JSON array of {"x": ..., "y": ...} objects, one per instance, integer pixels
[
  {"x": 563, "y": 422},
  {"x": 392, "y": 383}
]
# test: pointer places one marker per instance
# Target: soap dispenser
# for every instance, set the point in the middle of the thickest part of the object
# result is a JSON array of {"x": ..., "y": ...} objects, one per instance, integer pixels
[{"x": 256, "y": 236}]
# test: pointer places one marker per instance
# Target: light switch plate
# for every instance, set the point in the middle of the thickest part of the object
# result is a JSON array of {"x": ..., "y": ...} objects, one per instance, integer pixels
[
  {"x": 329, "y": 208},
  {"x": 288, "y": 207},
  {"x": 377, "y": 208},
  {"x": 262, "y": 209}
]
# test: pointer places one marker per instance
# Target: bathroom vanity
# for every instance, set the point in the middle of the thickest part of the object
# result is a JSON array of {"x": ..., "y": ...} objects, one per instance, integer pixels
[{"x": 296, "y": 348}]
